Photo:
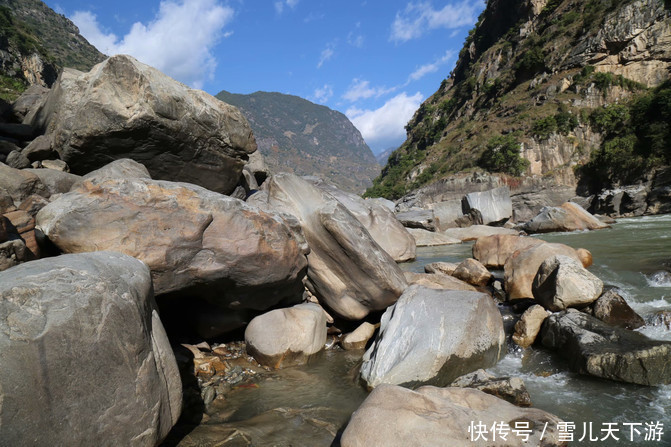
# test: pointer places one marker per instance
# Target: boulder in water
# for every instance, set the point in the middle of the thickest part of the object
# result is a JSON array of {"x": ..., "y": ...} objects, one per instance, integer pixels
[
  {"x": 434, "y": 336},
  {"x": 394, "y": 416},
  {"x": 562, "y": 282},
  {"x": 493, "y": 251},
  {"x": 595, "y": 348},
  {"x": 494, "y": 205},
  {"x": 287, "y": 337},
  {"x": 568, "y": 217}
]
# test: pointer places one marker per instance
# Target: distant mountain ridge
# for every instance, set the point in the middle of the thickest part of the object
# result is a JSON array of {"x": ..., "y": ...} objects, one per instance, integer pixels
[
  {"x": 35, "y": 44},
  {"x": 298, "y": 136}
]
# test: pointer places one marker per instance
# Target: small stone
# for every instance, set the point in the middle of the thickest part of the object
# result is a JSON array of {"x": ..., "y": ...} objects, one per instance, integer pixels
[
  {"x": 17, "y": 160},
  {"x": 472, "y": 272},
  {"x": 529, "y": 325},
  {"x": 359, "y": 338},
  {"x": 446, "y": 268},
  {"x": 56, "y": 165}
]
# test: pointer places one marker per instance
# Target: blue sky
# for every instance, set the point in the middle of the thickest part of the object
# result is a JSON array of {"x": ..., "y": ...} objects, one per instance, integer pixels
[{"x": 374, "y": 60}]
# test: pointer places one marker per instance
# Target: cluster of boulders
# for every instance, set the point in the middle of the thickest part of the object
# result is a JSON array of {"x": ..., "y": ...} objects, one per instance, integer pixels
[{"x": 166, "y": 198}]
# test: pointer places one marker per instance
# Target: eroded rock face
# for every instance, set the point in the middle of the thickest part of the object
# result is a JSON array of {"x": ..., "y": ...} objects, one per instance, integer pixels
[
  {"x": 125, "y": 109},
  {"x": 494, "y": 205},
  {"x": 562, "y": 282},
  {"x": 286, "y": 337},
  {"x": 434, "y": 336},
  {"x": 85, "y": 359},
  {"x": 347, "y": 270},
  {"x": 20, "y": 184},
  {"x": 380, "y": 222},
  {"x": 197, "y": 243},
  {"x": 595, "y": 348},
  {"x": 395, "y": 416}
]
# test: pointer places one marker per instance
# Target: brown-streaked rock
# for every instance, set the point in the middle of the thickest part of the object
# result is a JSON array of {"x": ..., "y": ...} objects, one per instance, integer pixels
[
  {"x": 197, "y": 243},
  {"x": 493, "y": 251},
  {"x": 446, "y": 268},
  {"x": 613, "y": 309},
  {"x": 472, "y": 272},
  {"x": 358, "y": 339},
  {"x": 439, "y": 281}
]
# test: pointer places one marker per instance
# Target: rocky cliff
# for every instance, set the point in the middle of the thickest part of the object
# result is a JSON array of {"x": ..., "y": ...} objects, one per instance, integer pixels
[
  {"x": 298, "y": 136},
  {"x": 35, "y": 43},
  {"x": 545, "y": 94}
]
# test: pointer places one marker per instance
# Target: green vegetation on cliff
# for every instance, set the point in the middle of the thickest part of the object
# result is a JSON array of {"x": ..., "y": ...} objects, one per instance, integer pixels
[
  {"x": 540, "y": 78},
  {"x": 30, "y": 29}
]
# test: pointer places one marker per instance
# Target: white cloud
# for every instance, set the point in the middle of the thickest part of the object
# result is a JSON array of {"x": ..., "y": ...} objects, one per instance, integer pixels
[
  {"x": 279, "y": 5},
  {"x": 327, "y": 53},
  {"x": 385, "y": 126},
  {"x": 322, "y": 94},
  {"x": 422, "y": 71},
  {"x": 417, "y": 18},
  {"x": 356, "y": 40},
  {"x": 361, "y": 89},
  {"x": 178, "y": 41}
]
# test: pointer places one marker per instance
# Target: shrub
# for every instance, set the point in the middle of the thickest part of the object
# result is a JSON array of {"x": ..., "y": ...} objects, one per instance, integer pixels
[{"x": 503, "y": 155}]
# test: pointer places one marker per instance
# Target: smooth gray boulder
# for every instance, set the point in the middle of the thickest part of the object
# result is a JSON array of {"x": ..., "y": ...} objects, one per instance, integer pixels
[
  {"x": 393, "y": 416},
  {"x": 567, "y": 217},
  {"x": 438, "y": 281},
  {"x": 562, "y": 282},
  {"x": 434, "y": 336},
  {"x": 380, "y": 222},
  {"x": 419, "y": 218},
  {"x": 347, "y": 270},
  {"x": 125, "y": 109},
  {"x": 85, "y": 359},
  {"x": 122, "y": 168},
  {"x": 287, "y": 337},
  {"x": 593, "y": 347},
  {"x": 197, "y": 243},
  {"x": 447, "y": 213},
  {"x": 494, "y": 205}
]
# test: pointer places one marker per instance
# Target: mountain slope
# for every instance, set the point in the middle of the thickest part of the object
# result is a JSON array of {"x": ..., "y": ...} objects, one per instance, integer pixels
[
  {"x": 531, "y": 90},
  {"x": 35, "y": 43},
  {"x": 296, "y": 135}
]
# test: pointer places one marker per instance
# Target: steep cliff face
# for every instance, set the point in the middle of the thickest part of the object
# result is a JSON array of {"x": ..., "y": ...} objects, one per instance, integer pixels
[
  {"x": 524, "y": 93},
  {"x": 35, "y": 43},
  {"x": 295, "y": 135}
]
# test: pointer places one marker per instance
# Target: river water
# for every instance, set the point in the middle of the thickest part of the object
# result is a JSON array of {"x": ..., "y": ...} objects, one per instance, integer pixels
[{"x": 309, "y": 404}]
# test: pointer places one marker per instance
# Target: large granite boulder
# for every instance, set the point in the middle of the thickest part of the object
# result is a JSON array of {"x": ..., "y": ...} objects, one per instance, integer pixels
[
  {"x": 493, "y": 251},
  {"x": 445, "y": 417},
  {"x": 562, "y": 282},
  {"x": 494, "y": 205},
  {"x": 85, "y": 359},
  {"x": 287, "y": 337},
  {"x": 447, "y": 212},
  {"x": 197, "y": 243},
  {"x": 593, "y": 347},
  {"x": 347, "y": 270},
  {"x": 434, "y": 336},
  {"x": 380, "y": 222},
  {"x": 521, "y": 267},
  {"x": 567, "y": 217},
  {"x": 125, "y": 109}
]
